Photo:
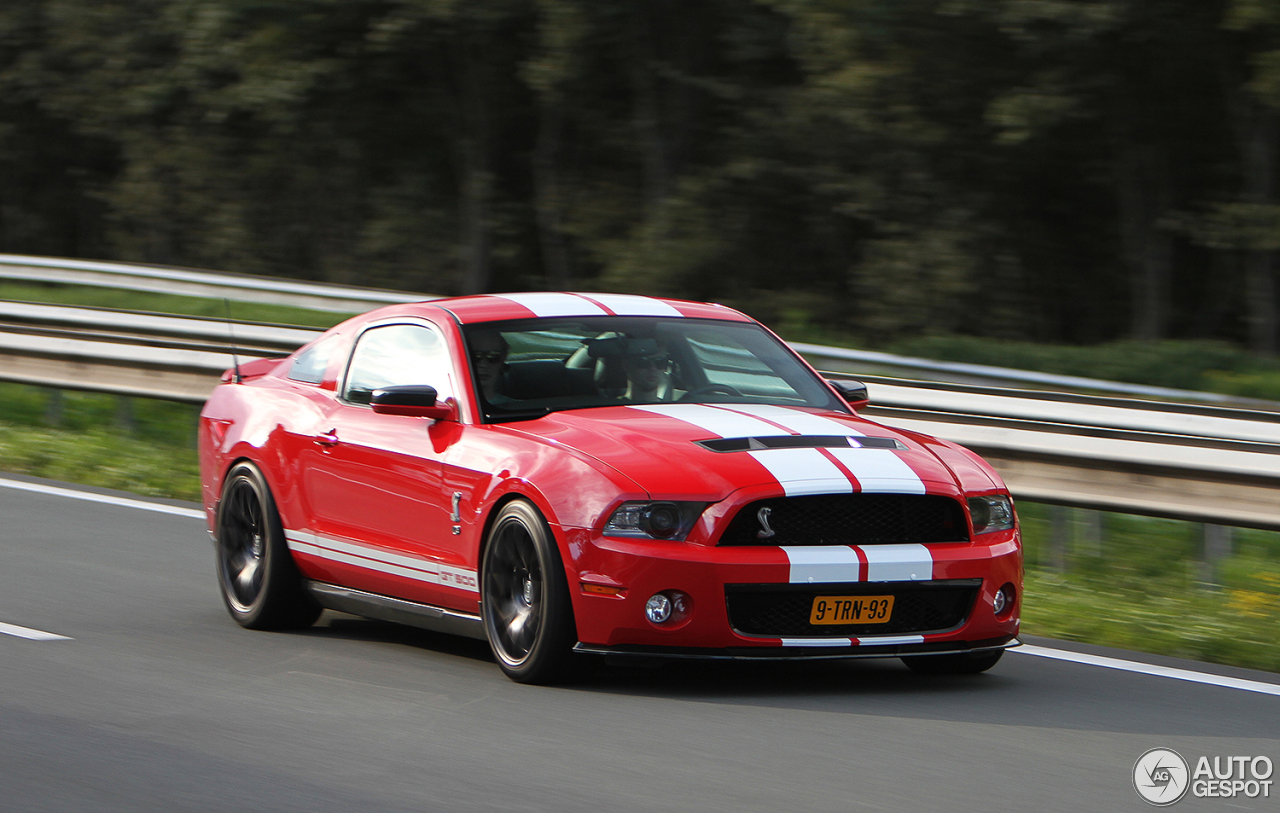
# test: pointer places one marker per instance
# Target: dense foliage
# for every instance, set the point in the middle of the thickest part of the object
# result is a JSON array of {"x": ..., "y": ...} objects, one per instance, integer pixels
[{"x": 1061, "y": 170}]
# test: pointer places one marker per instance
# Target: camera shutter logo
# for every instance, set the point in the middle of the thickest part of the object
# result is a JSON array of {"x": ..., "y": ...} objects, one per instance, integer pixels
[{"x": 1161, "y": 776}]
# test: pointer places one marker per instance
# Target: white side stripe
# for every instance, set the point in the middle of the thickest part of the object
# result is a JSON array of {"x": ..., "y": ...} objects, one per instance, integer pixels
[
  {"x": 631, "y": 305},
  {"x": 556, "y": 304},
  {"x": 821, "y": 563},
  {"x": 880, "y": 470},
  {"x": 803, "y": 471},
  {"x": 408, "y": 567},
  {"x": 898, "y": 563}
]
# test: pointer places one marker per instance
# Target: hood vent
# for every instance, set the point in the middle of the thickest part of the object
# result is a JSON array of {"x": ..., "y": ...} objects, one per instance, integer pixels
[{"x": 799, "y": 442}]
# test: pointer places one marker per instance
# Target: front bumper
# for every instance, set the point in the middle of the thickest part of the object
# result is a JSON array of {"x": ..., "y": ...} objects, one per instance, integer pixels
[{"x": 611, "y": 579}]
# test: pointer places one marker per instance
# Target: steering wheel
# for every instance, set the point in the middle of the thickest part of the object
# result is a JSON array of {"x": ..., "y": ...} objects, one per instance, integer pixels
[{"x": 723, "y": 389}]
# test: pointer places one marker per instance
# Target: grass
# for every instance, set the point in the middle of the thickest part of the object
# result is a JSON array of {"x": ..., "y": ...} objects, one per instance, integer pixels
[{"x": 1141, "y": 585}]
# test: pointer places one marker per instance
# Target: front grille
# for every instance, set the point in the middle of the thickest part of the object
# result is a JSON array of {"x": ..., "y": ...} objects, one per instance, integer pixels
[
  {"x": 783, "y": 610},
  {"x": 849, "y": 519}
]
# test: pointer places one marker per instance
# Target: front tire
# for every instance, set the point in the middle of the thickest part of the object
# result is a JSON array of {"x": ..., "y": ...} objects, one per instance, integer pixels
[
  {"x": 524, "y": 600},
  {"x": 260, "y": 584},
  {"x": 965, "y": 663}
]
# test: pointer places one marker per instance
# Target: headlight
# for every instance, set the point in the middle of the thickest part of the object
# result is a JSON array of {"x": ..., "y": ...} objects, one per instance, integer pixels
[
  {"x": 653, "y": 520},
  {"x": 993, "y": 512}
]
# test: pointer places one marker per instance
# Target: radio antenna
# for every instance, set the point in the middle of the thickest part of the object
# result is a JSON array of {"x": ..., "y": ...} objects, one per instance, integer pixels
[{"x": 235, "y": 359}]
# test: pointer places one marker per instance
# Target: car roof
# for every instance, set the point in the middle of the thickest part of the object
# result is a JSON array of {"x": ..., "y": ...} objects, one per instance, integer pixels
[{"x": 500, "y": 307}]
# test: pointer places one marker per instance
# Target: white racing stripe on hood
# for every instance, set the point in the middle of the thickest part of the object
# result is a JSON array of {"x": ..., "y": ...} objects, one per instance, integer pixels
[
  {"x": 803, "y": 471},
  {"x": 556, "y": 304},
  {"x": 806, "y": 423},
  {"x": 877, "y": 470},
  {"x": 798, "y": 471},
  {"x": 631, "y": 305},
  {"x": 880, "y": 470},
  {"x": 719, "y": 422}
]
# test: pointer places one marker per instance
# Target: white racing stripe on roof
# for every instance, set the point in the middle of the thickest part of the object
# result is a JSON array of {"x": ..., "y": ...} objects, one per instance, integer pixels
[
  {"x": 631, "y": 305},
  {"x": 818, "y": 564},
  {"x": 556, "y": 304},
  {"x": 897, "y": 563},
  {"x": 880, "y": 470},
  {"x": 722, "y": 423},
  {"x": 803, "y": 471},
  {"x": 805, "y": 423}
]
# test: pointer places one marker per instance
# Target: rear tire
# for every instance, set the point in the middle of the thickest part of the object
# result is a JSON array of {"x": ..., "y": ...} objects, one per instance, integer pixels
[
  {"x": 261, "y": 586},
  {"x": 965, "y": 663},
  {"x": 524, "y": 602}
]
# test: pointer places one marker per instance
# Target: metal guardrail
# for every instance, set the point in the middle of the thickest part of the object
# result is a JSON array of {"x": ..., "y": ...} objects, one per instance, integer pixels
[
  {"x": 238, "y": 287},
  {"x": 1197, "y": 461}
]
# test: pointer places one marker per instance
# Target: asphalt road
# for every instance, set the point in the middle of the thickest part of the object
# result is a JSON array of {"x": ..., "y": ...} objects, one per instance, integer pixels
[{"x": 160, "y": 702}]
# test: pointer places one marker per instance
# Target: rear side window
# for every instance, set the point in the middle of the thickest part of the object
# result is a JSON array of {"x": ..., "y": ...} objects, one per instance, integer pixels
[
  {"x": 310, "y": 365},
  {"x": 398, "y": 355}
]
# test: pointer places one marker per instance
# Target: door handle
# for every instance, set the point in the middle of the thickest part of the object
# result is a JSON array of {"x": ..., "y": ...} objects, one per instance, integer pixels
[{"x": 329, "y": 437}]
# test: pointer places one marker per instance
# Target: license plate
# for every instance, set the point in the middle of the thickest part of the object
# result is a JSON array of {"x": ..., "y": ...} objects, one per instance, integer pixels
[{"x": 851, "y": 609}]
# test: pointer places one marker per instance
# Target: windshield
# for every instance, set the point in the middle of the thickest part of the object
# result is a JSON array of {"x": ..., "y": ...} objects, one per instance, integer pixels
[{"x": 527, "y": 368}]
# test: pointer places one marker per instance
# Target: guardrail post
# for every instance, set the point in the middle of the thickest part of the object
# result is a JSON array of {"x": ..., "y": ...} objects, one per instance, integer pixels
[
  {"x": 53, "y": 407},
  {"x": 1090, "y": 528},
  {"x": 1059, "y": 536},
  {"x": 1218, "y": 545}
]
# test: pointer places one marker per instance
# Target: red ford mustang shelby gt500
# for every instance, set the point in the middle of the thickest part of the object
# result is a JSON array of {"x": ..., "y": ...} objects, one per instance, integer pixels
[{"x": 568, "y": 473}]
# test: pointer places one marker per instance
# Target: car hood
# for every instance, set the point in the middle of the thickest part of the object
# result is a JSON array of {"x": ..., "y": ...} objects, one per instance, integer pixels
[{"x": 706, "y": 452}]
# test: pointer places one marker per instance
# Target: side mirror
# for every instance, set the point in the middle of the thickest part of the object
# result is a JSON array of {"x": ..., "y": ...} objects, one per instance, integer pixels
[
  {"x": 414, "y": 401},
  {"x": 853, "y": 392}
]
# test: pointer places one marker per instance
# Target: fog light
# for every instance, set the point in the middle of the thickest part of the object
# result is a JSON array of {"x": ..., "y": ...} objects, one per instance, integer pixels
[
  {"x": 658, "y": 608},
  {"x": 1003, "y": 599}
]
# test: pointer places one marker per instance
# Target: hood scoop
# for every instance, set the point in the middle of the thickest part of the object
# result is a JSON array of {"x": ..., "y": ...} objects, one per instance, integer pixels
[{"x": 799, "y": 442}]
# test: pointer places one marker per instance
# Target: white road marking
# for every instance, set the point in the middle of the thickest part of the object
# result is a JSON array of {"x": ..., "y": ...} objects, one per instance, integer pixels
[
  {"x": 30, "y": 634},
  {"x": 1148, "y": 669},
  {"x": 37, "y": 488}
]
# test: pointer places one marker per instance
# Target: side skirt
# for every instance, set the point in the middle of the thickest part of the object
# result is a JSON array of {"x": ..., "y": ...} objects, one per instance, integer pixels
[{"x": 396, "y": 610}]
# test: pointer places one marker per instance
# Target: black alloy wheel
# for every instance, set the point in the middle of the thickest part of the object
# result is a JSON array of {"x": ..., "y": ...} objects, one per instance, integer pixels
[
  {"x": 261, "y": 586},
  {"x": 525, "y": 598}
]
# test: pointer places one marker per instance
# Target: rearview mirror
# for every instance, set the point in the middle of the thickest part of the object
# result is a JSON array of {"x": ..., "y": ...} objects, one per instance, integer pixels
[
  {"x": 853, "y": 392},
  {"x": 414, "y": 401}
]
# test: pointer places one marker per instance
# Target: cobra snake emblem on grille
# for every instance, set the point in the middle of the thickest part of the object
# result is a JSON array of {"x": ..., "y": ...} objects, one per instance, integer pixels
[{"x": 763, "y": 516}]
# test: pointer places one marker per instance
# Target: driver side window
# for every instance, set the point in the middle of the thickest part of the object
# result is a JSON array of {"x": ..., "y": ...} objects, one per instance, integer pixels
[{"x": 396, "y": 355}]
